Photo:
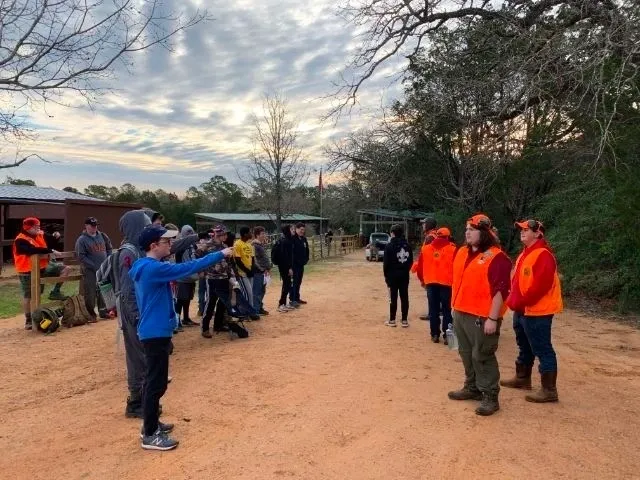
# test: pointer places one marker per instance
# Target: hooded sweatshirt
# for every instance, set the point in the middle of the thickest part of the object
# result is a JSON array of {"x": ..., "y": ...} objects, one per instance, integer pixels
[
  {"x": 184, "y": 249},
  {"x": 131, "y": 225},
  {"x": 153, "y": 292},
  {"x": 93, "y": 250},
  {"x": 398, "y": 258}
]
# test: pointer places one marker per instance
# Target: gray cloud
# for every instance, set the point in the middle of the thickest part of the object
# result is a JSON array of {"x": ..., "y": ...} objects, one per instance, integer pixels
[{"x": 184, "y": 105}]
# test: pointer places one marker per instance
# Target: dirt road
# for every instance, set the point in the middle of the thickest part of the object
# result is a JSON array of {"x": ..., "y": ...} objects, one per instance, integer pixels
[{"x": 327, "y": 392}]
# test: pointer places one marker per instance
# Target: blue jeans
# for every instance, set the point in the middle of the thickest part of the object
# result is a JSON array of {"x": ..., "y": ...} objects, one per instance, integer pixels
[
  {"x": 533, "y": 336},
  {"x": 439, "y": 297},
  {"x": 298, "y": 273},
  {"x": 258, "y": 291}
]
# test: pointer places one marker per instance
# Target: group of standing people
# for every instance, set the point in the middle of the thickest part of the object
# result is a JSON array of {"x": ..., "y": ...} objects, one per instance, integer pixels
[{"x": 471, "y": 287}]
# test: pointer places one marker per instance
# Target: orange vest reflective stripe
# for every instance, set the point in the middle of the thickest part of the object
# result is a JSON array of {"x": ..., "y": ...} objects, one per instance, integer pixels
[
  {"x": 437, "y": 264},
  {"x": 551, "y": 302},
  {"x": 471, "y": 289},
  {"x": 23, "y": 262}
]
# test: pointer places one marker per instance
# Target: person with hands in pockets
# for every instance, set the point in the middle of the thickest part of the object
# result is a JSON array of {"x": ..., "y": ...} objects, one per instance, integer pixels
[
  {"x": 152, "y": 276},
  {"x": 398, "y": 258},
  {"x": 481, "y": 281}
]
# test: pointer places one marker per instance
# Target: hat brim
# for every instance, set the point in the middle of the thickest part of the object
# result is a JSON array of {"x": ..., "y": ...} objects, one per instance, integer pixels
[
  {"x": 170, "y": 234},
  {"x": 521, "y": 225}
]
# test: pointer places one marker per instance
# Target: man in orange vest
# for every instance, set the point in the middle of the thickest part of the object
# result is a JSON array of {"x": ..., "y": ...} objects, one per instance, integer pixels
[
  {"x": 535, "y": 298},
  {"x": 33, "y": 241},
  {"x": 429, "y": 229},
  {"x": 480, "y": 284},
  {"x": 435, "y": 272}
]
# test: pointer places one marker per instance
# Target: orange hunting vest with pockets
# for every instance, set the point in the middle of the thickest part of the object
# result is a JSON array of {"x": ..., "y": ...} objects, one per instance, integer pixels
[
  {"x": 551, "y": 302},
  {"x": 23, "y": 262},
  {"x": 471, "y": 289},
  {"x": 437, "y": 264}
]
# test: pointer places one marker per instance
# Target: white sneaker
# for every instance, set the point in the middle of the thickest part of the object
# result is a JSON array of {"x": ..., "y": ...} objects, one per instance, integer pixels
[
  {"x": 390, "y": 323},
  {"x": 283, "y": 309}
]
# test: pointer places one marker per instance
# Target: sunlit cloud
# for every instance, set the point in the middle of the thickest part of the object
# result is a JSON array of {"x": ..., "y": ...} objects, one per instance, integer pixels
[{"x": 182, "y": 116}]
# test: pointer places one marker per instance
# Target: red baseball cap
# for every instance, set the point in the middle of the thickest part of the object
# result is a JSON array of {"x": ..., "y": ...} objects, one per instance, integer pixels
[
  {"x": 531, "y": 224},
  {"x": 30, "y": 222},
  {"x": 443, "y": 232}
]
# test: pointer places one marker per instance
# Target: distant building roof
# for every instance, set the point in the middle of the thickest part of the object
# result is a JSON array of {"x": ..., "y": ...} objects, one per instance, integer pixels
[
  {"x": 258, "y": 217},
  {"x": 404, "y": 214},
  {"x": 45, "y": 194}
]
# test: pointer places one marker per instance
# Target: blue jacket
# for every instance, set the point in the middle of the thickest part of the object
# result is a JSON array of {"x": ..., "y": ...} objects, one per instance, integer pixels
[{"x": 153, "y": 292}]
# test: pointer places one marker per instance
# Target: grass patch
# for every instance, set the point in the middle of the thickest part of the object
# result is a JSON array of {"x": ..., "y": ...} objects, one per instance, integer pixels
[{"x": 11, "y": 297}]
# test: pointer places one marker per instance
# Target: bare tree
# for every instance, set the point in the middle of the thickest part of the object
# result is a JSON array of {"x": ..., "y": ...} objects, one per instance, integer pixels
[
  {"x": 277, "y": 163},
  {"x": 49, "y": 47}
]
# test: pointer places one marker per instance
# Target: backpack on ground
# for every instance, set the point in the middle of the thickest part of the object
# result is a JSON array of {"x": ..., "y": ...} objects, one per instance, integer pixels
[
  {"x": 75, "y": 312},
  {"x": 46, "y": 320},
  {"x": 276, "y": 252}
]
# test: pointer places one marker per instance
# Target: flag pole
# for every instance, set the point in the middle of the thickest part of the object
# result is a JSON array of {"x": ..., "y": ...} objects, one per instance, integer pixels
[{"x": 321, "y": 191}]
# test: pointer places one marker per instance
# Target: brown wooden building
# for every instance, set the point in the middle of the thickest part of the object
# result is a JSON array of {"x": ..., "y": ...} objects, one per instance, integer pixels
[{"x": 57, "y": 210}]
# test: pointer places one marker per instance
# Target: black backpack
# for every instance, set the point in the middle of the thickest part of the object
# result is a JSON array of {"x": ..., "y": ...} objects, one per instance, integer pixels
[{"x": 276, "y": 252}]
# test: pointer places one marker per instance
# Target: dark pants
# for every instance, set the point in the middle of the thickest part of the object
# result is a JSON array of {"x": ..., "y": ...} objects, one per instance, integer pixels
[
  {"x": 90, "y": 293},
  {"x": 202, "y": 292},
  {"x": 286, "y": 287},
  {"x": 401, "y": 288},
  {"x": 478, "y": 353},
  {"x": 298, "y": 273},
  {"x": 134, "y": 353},
  {"x": 156, "y": 353},
  {"x": 258, "y": 291},
  {"x": 439, "y": 297},
  {"x": 533, "y": 336},
  {"x": 185, "y": 293},
  {"x": 216, "y": 303}
]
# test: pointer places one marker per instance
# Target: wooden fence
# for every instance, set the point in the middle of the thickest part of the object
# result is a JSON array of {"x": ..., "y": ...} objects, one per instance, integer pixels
[
  {"x": 37, "y": 280},
  {"x": 320, "y": 249}
]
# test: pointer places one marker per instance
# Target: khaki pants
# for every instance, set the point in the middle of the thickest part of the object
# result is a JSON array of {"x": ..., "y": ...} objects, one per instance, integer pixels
[{"x": 478, "y": 353}]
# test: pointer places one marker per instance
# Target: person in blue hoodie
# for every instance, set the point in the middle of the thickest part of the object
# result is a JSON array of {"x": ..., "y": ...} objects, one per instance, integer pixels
[{"x": 152, "y": 277}]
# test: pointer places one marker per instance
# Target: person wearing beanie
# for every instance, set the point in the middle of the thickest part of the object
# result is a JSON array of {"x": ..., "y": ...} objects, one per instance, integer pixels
[
  {"x": 481, "y": 281},
  {"x": 398, "y": 259},
  {"x": 535, "y": 298},
  {"x": 33, "y": 241},
  {"x": 435, "y": 272}
]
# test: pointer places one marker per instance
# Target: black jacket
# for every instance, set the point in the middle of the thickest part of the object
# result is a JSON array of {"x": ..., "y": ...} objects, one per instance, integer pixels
[
  {"x": 300, "y": 251},
  {"x": 398, "y": 258},
  {"x": 286, "y": 253}
]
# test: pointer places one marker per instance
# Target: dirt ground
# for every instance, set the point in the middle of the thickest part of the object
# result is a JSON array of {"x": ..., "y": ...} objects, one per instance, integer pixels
[{"x": 326, "y": 392}]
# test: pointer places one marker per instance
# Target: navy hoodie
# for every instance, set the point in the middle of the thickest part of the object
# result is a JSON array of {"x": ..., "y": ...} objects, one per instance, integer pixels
[{"x": 151, "y": 278}]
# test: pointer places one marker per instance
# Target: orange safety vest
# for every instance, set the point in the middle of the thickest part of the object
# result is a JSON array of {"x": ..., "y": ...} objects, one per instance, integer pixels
[
  {"x": 551, "y": 302},
  {"x": 437, "y": 264},
  {"x": 23, "y": 262},
  {"x": 471, "y": 289}
]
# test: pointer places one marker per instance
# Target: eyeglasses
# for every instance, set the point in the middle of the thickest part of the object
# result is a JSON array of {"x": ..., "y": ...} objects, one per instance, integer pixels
[
  {"x": 165, "y": 241},
  {"x": 480, "y": 222}
]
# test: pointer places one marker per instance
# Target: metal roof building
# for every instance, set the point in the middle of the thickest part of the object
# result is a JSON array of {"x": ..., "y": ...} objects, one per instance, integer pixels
[
  {"x": 377, "y": 220},
  {"x": 58, "y": 210},
  {"x": 235, "y": 220},
  {"x": 39, "y": 194}
]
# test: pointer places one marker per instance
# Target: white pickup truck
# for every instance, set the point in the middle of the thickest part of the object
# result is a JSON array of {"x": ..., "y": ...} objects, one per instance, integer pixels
[{"x": 375, "y": 249}]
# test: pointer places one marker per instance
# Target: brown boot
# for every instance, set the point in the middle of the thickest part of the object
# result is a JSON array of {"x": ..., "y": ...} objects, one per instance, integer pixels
[
  {"x": 522, "y": 378},
  {"x": 465, "y": 394},
  {"x": 548, "y": 392}
]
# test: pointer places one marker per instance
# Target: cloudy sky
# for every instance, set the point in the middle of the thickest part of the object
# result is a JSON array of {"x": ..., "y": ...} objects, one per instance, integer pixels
[{"x": 182, "y": 117}]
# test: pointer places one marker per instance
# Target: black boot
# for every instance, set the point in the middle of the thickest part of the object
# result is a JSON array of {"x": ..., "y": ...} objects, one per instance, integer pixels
[
  {"x": 134, "y": 407},
  {"x": 489, "y": 405}
]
